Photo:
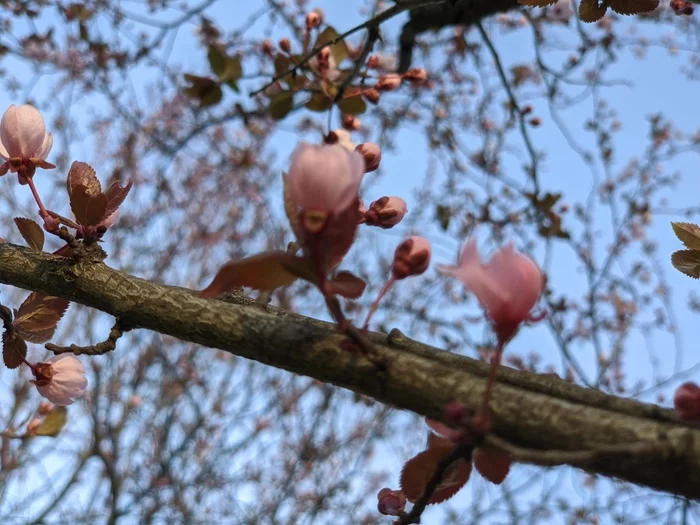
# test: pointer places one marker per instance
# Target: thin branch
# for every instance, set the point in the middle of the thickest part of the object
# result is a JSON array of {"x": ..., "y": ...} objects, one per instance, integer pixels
[{"x": 105, "y": 346}]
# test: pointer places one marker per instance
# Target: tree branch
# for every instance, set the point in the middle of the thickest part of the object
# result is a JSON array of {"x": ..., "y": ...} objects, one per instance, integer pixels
[{"x": 529, "y": 411}]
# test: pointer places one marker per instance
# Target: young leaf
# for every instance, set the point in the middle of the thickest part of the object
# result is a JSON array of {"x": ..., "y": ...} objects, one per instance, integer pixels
[
  {"x": 493, "y": 464},
  {"x": 590, "y": 11},
  {"x": 353, "y": 105},
  {"x": 687, "y": 262},
  {"x": 82, "y": 174},
  {"x": 347, "y": 285},
  {"x": 688, "y": 234},
  {"x": 205, "y": 90},
  {"x": 264, "y": 271},
  {"x": 38, "y": 316},
  {"x": 31, "y": 231},
  {"x": 53, "y": 423},
  {"x": 89, "y": 210},
  {"x": 633, "y": 7},
  {"x": 319, "y": 102},
  {"x": 339, "y": 50},
  {"x": 281, "y": 104},
  {"x": 116, "y": 194},
  {"x": 418, "y": 471},
  {"x": 14, "y": 349}
]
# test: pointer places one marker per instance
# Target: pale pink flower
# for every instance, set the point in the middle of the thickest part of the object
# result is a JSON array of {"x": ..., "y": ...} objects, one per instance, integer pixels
[
  {"x": 61, "y": 379},
  {"x": 325, "y": 178},
  {"x": 507, "y": 287},
  {"x": 23, "y": 134}
]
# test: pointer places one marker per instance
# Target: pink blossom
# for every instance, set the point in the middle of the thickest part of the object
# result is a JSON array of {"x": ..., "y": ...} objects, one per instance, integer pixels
[
  {"x": 412, "y": 257},
  {"x": 23, "y": 134},
  {"x": 61, "y": 379},
  {"x": 325, "y": 178},
  {"x": 508, "y": 286}
]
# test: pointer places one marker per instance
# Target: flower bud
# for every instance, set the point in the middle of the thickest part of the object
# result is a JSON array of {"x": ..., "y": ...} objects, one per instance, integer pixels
[
  {"x": 32, "y": 426},
  {"x": 412, "y": 257},
  {"x": 682, "y": 7},
  {"x": 686, "y": 401},
  {"x": 372, "y": 154},
  {"x": 314, "y": 19},
  {"x": 285, "y": 45},
  {"x": 267, "y": 47},
  {"x": 373, "y": 62},
  {"x": 391, "y": 502},
  {"x": 416, "y": 75},
  {"x": 388, "y": 82},
  {"x": 386, "y": 212},
  {"x": 351, "y": 122},
  {"x": 372, "y": 95}
]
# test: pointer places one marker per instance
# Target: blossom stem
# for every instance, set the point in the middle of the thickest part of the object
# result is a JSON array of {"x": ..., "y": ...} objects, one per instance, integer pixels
[
  {"x": 42, "y": 211},
  {"x": 375, "y": 304},
  {"x": 482, "y": 418}
]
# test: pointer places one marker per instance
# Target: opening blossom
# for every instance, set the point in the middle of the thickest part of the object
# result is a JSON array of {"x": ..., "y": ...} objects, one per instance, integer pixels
[
  {"x": 507, "y": 286},
  {"x": 61, "y": 379},
  {"x": 324, "y": 179},
  {"x": 24, "y": 141}
]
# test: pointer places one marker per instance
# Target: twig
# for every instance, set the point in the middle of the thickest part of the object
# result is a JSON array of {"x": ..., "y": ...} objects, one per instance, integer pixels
[
  {"x": 373, "y": 22},
  {"x": 372, "y": 37},
  {"x": 572, "y": 457},
  {"x": 105, "y": 346},
  {"x": 460, "y": 452}
]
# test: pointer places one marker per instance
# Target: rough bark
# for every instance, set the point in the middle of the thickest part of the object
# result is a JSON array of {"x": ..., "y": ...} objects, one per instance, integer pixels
[{"x": 529, "y": 410}]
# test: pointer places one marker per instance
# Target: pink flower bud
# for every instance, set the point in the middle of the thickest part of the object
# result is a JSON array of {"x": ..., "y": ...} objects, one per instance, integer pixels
[
  {"x": 313, "y": 19},
  {"x": 412, "y": 257},
  {"x": 44, "y": 408},
  {"x": 507, "y": 287},
  {"x": 386, "y": 212},
  {"x": 61, "y": 379},
  {"x": 32, "y": 425},
  {"x": 682, "y": 7},
  {"x": 372, "y": 154},
  {"x": 351, "y": 122},
  {"x": 686, "y": 401},
  {"x": 285, "y": 45},
  {"x": 324, "y": 178},
  {"x": 391, "y": 502},
  {"x": 372, "y": 95},
  {"x": 388, "y": 82},
  {"x": 416, "y": 75}
]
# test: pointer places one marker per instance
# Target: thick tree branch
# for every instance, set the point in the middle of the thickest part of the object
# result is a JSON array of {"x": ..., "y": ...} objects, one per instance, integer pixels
[{"x": 530, "y": 411}]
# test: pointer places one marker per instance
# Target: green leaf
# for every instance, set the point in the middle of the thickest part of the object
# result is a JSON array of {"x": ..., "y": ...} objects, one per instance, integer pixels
[
  {"x": 319, "y": 102},
  {"x": 687, "y": 262},
  {"x": 338, "y": 50},
  {"x": 205, "y": 90},
  {"x": 226, "y": 68},
  {"x": 281, "y": 104},
  {"x": 53, "y": 423},
  {"x": 353, "y": 105},
  {"x": 688, "y": 234}
]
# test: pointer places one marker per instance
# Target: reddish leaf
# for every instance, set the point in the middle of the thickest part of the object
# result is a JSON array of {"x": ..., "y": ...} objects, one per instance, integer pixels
[
  {"x": 89, "y": 209},
  {"x": 437, "y": 441},
  {"x": 31, "y": 231},
  {"x": 688, "y": 262},
  {"x": 115, "y": 196},
  {"x": 688, "y": 234},
  {"x": 418, "y": 471},
  {"x": 263, "y": 271},
  {"x": 14, "y": 349},
  {"x": 493, "y": 464},
  {"x": 347, "y": 285},
  {"x": 633, "y": 7},
  {"x": 590, "y": 11},
  {"x": 38, "y": 316},
  {"x": 82, "y": 174}
]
